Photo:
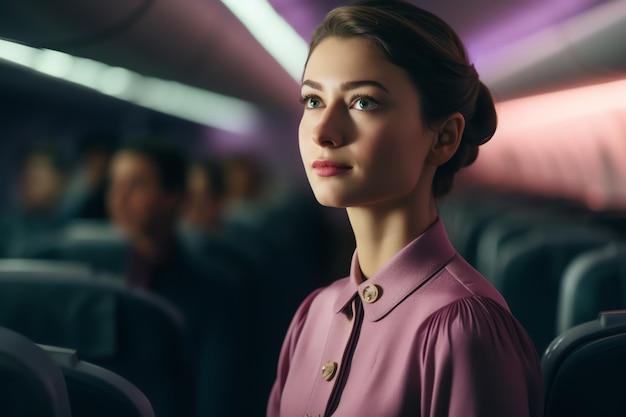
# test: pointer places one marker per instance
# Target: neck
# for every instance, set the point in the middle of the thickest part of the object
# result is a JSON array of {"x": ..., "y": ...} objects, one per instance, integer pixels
[{"x": 381, "y": 232}]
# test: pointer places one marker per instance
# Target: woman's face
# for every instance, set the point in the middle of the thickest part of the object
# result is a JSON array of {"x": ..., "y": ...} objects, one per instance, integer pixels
[{"x": 362, "y": 139}]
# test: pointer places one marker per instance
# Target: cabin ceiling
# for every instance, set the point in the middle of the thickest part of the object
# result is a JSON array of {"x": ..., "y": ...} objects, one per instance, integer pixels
[{"x": 201, "y": 43}]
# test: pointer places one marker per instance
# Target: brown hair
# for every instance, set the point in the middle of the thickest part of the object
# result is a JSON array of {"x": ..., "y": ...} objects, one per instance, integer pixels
[{"x": 437, "y": 63}]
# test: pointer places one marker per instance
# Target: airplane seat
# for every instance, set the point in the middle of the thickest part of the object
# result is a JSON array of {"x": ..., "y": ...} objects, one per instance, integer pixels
[
  {"x": 301, "y": 238},
  {"x": 216, "y": 268},
  {"x": 468, "y": 216},
  {"x": 32, "y": 384},
  {"x": 240, "y": 250},
  {"x": 130, "y": 332},
  {"x": 262, "y": 249},
  {"x": 97, "y": 392},
  {"x": 448, "y": 211},
  {"x": 594, "y": 281},
  {"x": 495, "y": 235},
  {"x": 530, "y": 271},
  {"x": 44, "y": 268},
  {"x": 509, "y": 226},
  {"x": 451, "y": 209},
  {"x": 95, "y": 243},
  {"x": 301, "y": 253},
  {"x": 283, "y": 248},
  {"x": 584, "y": 369},
  {"x": 246, "y": 254},
  {"x": 469, "y": 224}
]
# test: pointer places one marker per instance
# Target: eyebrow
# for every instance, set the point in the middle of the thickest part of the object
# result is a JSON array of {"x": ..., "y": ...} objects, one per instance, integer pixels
[{"x": 348, "y": 85}]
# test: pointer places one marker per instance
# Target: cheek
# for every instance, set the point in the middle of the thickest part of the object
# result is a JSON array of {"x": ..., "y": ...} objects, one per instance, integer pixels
[
  {"x": 132, "y": 206},
  {"x": 386, "y": 145},
  {"x": 397, "y": 157},
  {"x": 143, "y": 203}
]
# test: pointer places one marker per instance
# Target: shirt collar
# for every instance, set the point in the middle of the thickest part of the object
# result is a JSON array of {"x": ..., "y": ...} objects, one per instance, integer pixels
[{"x": 409, "y": 269}]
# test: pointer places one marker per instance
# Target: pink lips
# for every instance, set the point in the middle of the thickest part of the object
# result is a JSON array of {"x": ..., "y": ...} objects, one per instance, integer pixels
[{"x": 329, "y": 168}]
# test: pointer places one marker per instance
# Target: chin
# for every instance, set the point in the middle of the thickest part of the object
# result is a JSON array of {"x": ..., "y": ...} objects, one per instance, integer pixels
[
  {"x": 331, "y": 204},
  {"x": 330, "y": 200}
]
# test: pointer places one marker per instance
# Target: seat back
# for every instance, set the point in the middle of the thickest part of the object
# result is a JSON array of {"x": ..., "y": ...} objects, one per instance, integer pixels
[
  {"x": 584, "y": 369},
  {"x": 96, "y": 244},
  {"x": 130, "y": 332},
  {"x": 19, "y": 267},
  {"x": 593, "y": 282},
  {"x": 503, "y": 229},
  {"x": 530, "y": 272},
  {"x": 31, "y": 383},
  {"x": 97, "y": 392}
]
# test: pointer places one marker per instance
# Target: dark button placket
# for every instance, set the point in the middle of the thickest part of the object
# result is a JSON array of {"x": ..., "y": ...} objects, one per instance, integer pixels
[
  {"x": 346, "y": 360},
  {"x": 335, "y": 362}
]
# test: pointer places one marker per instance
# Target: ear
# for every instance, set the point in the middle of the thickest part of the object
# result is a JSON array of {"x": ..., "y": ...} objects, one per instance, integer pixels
[{"x": 449, "y": 133}]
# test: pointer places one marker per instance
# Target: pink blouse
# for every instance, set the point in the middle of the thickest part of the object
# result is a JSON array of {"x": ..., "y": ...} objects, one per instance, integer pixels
[{"x": 426, "y": 336}]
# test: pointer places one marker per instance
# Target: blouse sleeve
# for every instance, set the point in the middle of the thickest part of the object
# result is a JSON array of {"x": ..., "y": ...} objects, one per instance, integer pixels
[
  {"x": 286, "y": 353},
  {"x": 477, "y": 361}
]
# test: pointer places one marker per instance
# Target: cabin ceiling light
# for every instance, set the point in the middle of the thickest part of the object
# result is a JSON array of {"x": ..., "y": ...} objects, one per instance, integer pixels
[
  {"x": 269, "y": 28},
  {"x": 169, "y": 97}
]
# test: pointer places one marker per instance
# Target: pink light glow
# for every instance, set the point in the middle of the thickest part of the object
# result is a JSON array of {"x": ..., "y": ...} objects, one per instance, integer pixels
[
  {"x": 522, "y": 22},
  {"x": 569, "y": 143}
]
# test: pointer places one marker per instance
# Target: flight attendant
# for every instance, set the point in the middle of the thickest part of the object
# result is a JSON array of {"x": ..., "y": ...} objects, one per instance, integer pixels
[{"x": 392, "y": 110}]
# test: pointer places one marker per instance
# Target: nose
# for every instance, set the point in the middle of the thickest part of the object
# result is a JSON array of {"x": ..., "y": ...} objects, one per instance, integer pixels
[{"x": 329, "y": 128}]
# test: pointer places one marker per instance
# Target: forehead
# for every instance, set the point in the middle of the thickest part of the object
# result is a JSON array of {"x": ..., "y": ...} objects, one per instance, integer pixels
[
  {"x": 348, "y": 59},
  {"x": 133, "y": 163}
]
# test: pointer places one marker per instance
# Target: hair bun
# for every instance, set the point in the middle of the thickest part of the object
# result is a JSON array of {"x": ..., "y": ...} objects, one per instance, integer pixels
[{"x": 481, "y": 126}]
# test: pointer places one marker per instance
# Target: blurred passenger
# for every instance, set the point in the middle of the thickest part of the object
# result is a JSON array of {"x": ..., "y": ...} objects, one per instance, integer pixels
[
  {"x": 87, "y": 199},
  {"x": 247, "y": 189},
  {"x": 146, "y": 193},
  {"x": 43, "y": 174},
  {"x": 145, "y": 198},
  {"x": 202, "y": 217},
  {"x": 41, "y": 183},
  {"x": 206, "y": 196},
  {"x": 245, "y": 178}
]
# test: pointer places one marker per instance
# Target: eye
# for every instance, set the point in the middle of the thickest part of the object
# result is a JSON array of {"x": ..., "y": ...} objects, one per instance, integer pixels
[
  {"x": 364, "y": 103},
  {"x": 311, "y": 102}
]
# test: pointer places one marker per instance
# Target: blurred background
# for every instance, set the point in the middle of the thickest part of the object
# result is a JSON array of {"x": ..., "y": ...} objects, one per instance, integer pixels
[
  {"x": 99, "y": 99},
  {"x": 222, "y": 78}
]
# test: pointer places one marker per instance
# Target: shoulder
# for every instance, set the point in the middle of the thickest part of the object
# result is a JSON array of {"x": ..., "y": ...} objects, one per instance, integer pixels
[
  {"x": 305, "y": 306},
  {"x": 454, "y": 285},
  {"x": 469, "y": 282},
  {"x": 297, "y": 324},
  {"x": 474, "y": 323},
  {"x": 317, "y": 303},
  {"x": 323, "y": 298},
  {"x": 477, "y": 360}
]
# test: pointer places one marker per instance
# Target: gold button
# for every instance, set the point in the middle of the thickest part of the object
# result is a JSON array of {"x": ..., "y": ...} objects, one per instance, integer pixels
[
  {"x": 329, "y": 370},
  {"x": 370, "y": 293}
]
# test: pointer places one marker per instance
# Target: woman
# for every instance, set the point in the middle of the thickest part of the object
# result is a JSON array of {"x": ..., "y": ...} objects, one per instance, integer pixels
[{"x": 392, "y": 109}]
